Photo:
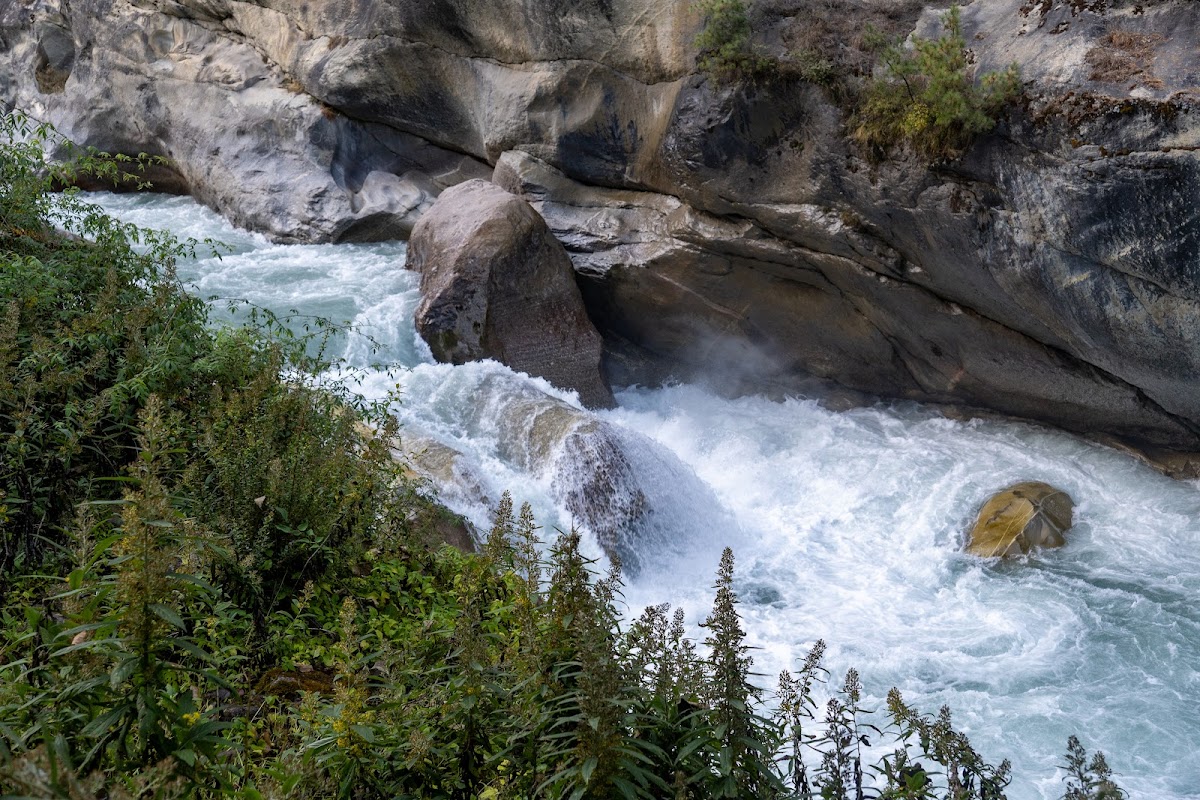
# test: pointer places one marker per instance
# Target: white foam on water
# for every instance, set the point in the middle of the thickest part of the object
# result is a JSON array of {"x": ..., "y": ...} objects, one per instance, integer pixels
[
  {"x": 850, "y": 531},
  {"x": 847, "y": 527}
]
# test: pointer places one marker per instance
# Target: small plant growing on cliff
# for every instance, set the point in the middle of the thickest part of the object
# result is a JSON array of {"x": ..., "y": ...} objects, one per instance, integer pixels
[
  {"x": 726, "y": 52},
  {"x": 928, "y": 97}
]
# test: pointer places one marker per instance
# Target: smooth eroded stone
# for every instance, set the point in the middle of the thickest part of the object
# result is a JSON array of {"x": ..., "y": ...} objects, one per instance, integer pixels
[
  {"x": 1023, "y": 516},
  {"x": 495, "y": 283}
]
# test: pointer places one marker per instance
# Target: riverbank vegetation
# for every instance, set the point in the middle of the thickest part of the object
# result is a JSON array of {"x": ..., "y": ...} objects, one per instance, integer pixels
[
  {"x": 923, "y": 93},
  {"x": 216, "y": 581}
]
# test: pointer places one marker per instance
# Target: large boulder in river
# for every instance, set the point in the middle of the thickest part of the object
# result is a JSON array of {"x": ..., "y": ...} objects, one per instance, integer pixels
[
  {"x": 1018, "y": 519},
  {"x": 495, "y": 283}
]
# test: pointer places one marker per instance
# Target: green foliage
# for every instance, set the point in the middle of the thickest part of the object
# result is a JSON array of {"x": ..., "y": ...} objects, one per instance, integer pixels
[
  {"x": 742, "y": 738},
  {"x": 283, "y": 474},
  {"x": 116, "y": 679},
  {"x": 928, "y": 98},
  {"x": 134, "y": 443},
  {"x": 964, "y": 774},
  {"x": 91, "y": 324},
  {"x": 726, "y": 50},
  {"x": 811, "y": 67}
]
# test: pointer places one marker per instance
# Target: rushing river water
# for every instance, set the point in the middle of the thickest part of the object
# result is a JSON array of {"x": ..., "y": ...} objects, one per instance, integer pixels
[{"x": 847, "y": 527}]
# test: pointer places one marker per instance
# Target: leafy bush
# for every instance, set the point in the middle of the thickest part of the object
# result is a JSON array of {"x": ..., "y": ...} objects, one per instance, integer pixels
[
  {"x": 927, "y": 97},
  {"x": 1089, "y": 780},
  {"x": 726, "y": 51},
  {"x": 115, "y": 677},
  {"x": 283, "y": 473},
  {"x": 92, "y": 323},
  {"x": 185, "y": 483}
]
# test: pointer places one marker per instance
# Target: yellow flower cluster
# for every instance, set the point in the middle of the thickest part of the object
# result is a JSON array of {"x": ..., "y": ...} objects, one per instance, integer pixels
[{"x": 916, "y": 119}]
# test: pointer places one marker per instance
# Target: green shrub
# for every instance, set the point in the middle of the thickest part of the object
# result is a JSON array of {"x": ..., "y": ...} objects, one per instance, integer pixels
[
  {"x": 283, "y": 474},
  {"x": 927, "y": 97},
  {"x": 811, "y": 67},
  {"x": 184, "y": 483},
  {"x": 1089, "y": 780},
  {"x": 742, "y": 738},
  {"x": 726, "y": 50},
  {"x": 91, "y": 324}
]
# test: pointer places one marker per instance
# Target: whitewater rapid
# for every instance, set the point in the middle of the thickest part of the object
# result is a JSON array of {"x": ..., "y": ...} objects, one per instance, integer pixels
[{"x": 847, "y": 526}]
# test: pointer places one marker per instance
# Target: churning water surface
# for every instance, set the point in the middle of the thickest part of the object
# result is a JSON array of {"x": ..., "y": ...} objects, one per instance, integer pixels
[{"x": 847, "y": 527}]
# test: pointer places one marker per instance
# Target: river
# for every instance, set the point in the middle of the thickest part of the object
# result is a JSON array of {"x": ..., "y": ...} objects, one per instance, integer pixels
[{"x": 847, "y": 527}]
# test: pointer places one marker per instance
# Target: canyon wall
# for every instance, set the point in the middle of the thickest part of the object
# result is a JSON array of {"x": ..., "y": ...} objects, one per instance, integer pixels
[{"x": 1051, "y": 272}]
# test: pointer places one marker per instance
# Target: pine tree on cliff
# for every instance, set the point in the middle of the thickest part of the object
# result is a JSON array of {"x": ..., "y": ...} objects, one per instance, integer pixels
[{"x": 726, "y": 52}]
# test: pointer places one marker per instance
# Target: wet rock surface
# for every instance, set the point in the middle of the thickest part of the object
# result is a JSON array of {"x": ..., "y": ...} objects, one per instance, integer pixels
[
  {"x": 584, "y": 460},
  {"x": 1021, "y": 518}
]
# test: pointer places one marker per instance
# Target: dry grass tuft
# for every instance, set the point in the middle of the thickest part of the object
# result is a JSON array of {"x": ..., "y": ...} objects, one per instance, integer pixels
[
  {"x": 845, "y": 36},
  {"x": 1123, "y": 56}
]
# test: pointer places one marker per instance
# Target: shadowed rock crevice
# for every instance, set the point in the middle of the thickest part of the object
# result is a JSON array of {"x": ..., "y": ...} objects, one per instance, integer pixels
[{"x": 55, "y": 59}]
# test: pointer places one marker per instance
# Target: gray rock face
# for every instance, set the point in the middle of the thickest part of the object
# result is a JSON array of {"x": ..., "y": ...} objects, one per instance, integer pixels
[
  {"x": 193, "y": 82},
  {"x": 1052, "y": 272},
  {"x": 495, "y": 283}
]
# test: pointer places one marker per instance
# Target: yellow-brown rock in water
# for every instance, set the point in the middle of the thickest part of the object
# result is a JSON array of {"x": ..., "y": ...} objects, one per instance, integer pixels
[{"x": 1020, "y": 518}]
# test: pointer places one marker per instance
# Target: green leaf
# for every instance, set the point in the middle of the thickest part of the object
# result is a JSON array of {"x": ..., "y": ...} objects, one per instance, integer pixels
[
  {"x": 627, "y": 789},
  {"x": 101, "y": 724},
  {"x": 124, "y": 669},
  {"x": 691, "y": 747},
  {"x": 589, "y": 766},
  {"x": 168, "y": 615},
  {"x": 188, "y": 645}
]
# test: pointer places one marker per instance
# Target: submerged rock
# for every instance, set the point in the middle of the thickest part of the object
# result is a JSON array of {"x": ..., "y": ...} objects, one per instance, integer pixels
[
  {"x": 585, "y": 459},
  {"x": 457, "y": 481},
  {"x": 606, "y": 480},
  {"x": 495, "y": 283},
  {"x": 1023, "y": 516}
]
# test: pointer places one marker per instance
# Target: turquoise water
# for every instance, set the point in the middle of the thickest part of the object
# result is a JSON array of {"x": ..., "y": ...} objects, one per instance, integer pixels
[{"x": 847, "y": 527}]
